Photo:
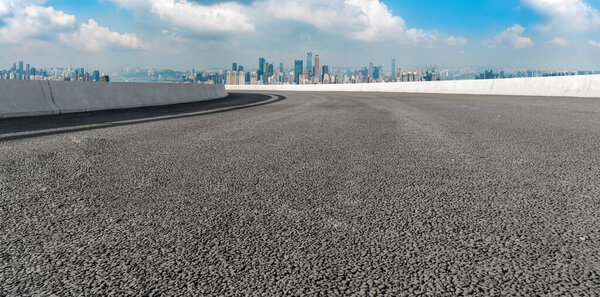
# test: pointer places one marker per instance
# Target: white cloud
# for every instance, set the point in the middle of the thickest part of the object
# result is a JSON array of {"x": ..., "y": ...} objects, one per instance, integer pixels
[
  {"x": 511, "y": 37},
  {"x": 456, "y": 41},
  {"x": 594, "y": 44},
  {"x": 23, "y": 23},
  {"x": 364, "y": 20},
  {"x": 543, "y": 28},
  {"x": 567, "y": 14},
  {"x": 4, "y": 8},
  {"x": 558, "y": 41},
  {"x": 96, "y": 38},
  {"x": 221, "y": 17}
]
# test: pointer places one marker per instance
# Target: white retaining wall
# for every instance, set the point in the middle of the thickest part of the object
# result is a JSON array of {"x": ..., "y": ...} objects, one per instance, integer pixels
[
  {"x": 32, "y": 98},
  {"x": 563, "y": 86}
]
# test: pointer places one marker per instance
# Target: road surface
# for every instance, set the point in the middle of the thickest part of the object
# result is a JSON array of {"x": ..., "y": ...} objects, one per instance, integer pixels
[{"x": 316, "y": 194}]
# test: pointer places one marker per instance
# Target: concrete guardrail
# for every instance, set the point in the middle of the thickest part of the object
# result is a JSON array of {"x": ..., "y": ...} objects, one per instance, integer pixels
[
  {"x": 560, "y": 86},
  {"x": 34, "y": 98}
]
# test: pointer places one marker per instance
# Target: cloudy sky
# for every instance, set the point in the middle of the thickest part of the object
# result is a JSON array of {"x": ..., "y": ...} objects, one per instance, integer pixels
[{"x": 186, "y": 34}]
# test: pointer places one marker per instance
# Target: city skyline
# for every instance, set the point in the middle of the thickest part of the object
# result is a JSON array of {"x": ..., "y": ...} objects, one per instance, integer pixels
[
  {"x": 267, "y": 73},
  {"x": 209, "y": 34}
]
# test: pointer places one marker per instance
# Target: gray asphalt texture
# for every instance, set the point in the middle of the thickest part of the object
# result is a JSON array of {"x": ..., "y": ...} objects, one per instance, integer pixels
[{"x": 306, "y": 194}]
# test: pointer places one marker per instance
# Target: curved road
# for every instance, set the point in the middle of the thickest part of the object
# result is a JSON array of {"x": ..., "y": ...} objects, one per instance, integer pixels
[{"x": 305, "y": 194}]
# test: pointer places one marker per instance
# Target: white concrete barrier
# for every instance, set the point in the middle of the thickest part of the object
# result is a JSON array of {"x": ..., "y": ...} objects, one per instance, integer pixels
[
  {"x": 559, "y": 86},
  {"x": 32, "y": 98},
  {"x": 81, "y": 96},
  {"x": 25, "y": 98}
]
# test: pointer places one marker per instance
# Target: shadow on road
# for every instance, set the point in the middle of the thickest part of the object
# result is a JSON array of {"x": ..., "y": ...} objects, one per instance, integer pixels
[{"x": 66, "y": 123}]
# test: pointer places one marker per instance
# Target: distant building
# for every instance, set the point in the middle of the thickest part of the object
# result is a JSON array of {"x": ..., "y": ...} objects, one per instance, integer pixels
[
  {"x": 309, "y": 65},
  {"x": 488, "y": 74},
  {"x": 431, "y": 76},
  {"x": 297, "y": 71},
  {"x": 254, "y": 78},
  {"x": 261, "y": 67},
  {"x": 20, "y": 72},
  {"x": 234, "y": 67},
  {"x": 394, "y": 68},
  {"x": 317, "y": 72},
  {"x": 240, "y": 68},
  {"x": 325, "y": 71},
  {"x": 96, "y": 76},
  {"x": 281, "y": 68},
  {"x": 235, "y": 78},
  {"x": 371, "y": 70},
  {"x": 265, "y": 77},
  {"x": 104, "y": 78}
]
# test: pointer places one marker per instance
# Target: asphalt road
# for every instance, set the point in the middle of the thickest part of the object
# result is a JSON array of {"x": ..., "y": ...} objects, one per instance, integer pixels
[{"x": 317, "y": 194}]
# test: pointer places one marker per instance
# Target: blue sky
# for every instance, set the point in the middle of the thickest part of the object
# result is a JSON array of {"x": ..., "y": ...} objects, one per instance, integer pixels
[{"x": 185, "y": 34}]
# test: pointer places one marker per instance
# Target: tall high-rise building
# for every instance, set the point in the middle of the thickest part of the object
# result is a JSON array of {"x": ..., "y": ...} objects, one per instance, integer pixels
[
  {"x": 309, "y": 65},
  {"x": 370, "y": 75},
  {"x": 20, "y": 71},
  {"x": 317, "y": 72},
  {"x": 281, "y": 68},
  {"x": 240, "y": 68},
  {"x": 393, "y": 68},
  {"x": 297, "y": 71},
  {"x": 261, "y": 67},
  {"x": 234, "y": 78},
  {"x": 325, "y": 71},
  {"x": 27, "y": 72},
  {"x": 96, "y": 75},
  {"x": 234, "y": 67},
  {"x": 266, "y": 72},
  {"x": 376, "y": 73}
]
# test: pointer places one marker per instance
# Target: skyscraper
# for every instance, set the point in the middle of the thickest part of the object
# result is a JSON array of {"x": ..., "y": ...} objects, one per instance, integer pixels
[
  {"x": 281, "y": 68},
  {"x": 297, "y": 71},
  {"x": 325, "y": 71},
  {"x": 96, "y": 75},
  {"x": 240, "y": 68},
  {"x": 317, "y": 72},
  {"x": 370, "y": 75},
  {"x": 261, "y": 67},
  {"x": 266, "y": 72},
  {"x": 234, "y": 67},
  {"x": 309, "y": 65},
  {"x": 20, "y": 72},
  {"x": 393, "y": 68},
  {"x": 27, "y": 72}
]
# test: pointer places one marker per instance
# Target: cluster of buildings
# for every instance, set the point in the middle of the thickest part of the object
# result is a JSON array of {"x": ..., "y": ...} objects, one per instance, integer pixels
[
  {"x": 309, "y": 71},
  {"x": 312, "y": 72},
  {"x": 490, "y": 74},
  {"x": 26, "y": 72}
]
